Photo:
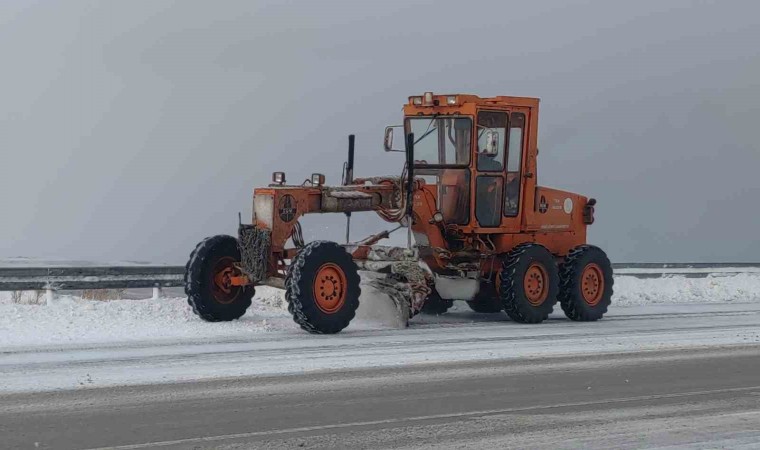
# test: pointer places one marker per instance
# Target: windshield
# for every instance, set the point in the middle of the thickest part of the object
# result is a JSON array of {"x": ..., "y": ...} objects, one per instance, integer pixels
[{"x": 440, "y": 141}]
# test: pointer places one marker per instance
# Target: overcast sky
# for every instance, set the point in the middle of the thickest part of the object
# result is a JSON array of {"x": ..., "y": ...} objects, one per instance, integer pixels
[{"x": 130, "y": 130}]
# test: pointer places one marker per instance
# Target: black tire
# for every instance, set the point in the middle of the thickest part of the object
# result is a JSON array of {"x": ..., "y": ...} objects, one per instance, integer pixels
[
  {"x": 435, "y": 305},
  {"x": 487, "y": 301},
  {"x": 208, "y": 300},
  {"x": 536, "y": 263},
  {"x": 581, "y": 297},
  {"x": 325, "y": 311}
]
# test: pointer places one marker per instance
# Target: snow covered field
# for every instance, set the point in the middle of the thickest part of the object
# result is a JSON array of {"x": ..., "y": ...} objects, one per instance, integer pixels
[{"x": 71, "y": 321}]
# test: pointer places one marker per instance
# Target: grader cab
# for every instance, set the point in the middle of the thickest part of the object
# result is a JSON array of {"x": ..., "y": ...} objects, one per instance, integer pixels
[{"x": 479, "y": 229}]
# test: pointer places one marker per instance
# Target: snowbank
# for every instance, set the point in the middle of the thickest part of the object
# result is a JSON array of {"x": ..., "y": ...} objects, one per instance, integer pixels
[
  {"x": 742, "y": 288},
  {"x": 72, "y": 320}
]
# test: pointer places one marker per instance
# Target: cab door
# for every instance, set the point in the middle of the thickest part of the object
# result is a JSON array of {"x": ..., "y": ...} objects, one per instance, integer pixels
[
  {"x": 515, "y": 186},
  {"x": 490, "y": 158}
]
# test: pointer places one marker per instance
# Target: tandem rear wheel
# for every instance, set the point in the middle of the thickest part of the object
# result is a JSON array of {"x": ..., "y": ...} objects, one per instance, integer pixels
[
  {"x": 529, "y": 283},
  {"x": 586, "y": 284}
]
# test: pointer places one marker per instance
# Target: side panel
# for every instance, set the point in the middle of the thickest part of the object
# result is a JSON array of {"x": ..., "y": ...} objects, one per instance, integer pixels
[
  {"x": 558, "y": 222},
  {"x": 558, "y": 210},
  {"x": 278, "y": 210}
]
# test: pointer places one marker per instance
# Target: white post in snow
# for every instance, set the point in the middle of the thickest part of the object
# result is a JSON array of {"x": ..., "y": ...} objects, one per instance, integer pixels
[
  {"x": 156, "y": 293},
  {"x": 49, "y": 296}
]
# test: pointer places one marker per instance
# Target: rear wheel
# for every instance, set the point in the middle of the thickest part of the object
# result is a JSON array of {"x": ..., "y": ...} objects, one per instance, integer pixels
[
  {"x": 586, "y": 284},
  {"x": 207, "y": 280},
  {"x": 322, "y": 288},
  {"x": 529, "y": 283}
]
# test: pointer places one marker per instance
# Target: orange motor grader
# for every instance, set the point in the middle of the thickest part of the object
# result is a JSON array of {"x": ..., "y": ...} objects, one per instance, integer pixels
[{"x": 479, "y": 229}]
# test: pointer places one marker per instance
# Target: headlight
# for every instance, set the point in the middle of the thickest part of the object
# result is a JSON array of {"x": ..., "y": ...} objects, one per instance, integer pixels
[
  {"x": 317, "y": 179},
  {"x": 278, "y": 177},
  {"x": 417, "y": 101},
  {"x": 451, "y": 100}
]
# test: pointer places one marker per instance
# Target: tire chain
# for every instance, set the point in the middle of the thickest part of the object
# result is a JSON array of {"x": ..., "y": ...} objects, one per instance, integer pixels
[
  {"x": 293, "y": 292},
  {"x": 254, "y": 251}
]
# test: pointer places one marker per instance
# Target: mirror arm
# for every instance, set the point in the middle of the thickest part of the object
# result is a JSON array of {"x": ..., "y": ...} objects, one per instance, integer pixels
[{"x": 388, "y": 143}]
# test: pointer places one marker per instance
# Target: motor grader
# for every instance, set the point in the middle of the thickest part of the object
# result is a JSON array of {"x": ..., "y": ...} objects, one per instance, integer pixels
[{"x": 478, "y": 226}]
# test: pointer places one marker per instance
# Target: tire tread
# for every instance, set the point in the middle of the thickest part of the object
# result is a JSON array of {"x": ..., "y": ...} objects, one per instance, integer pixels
[
  {"x": 569, "y": 288},
  {"x": 305, "y": 314},
  {"x": 193, "y": 281}
]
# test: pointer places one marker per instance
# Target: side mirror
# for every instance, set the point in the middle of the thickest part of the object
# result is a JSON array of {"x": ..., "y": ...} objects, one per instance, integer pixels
[
  {"x": 388, "y": 140},
  {"x": 492, "y": 143}
]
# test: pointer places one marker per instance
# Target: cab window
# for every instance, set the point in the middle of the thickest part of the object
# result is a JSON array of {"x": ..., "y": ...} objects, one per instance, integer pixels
[
  {"x": 442, "y": 147},
  {"x": 441, "y": 141},
  {"x": 492, "y": 126},
  {"x": 514, "y": 164}
]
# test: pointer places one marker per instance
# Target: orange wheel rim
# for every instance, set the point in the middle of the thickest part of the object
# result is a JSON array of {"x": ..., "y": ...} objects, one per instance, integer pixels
[
  {"x": 535, "y": 284},
  {"x": 592, "y": 284},
  {"x": 330, "y": 288},
  {"x": 221, "y": 287}
]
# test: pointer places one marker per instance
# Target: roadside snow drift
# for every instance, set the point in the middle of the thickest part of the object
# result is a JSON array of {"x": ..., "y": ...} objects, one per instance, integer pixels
[
  {"x": 741, "y": 288},
  {"x": 73, "y": 321}
]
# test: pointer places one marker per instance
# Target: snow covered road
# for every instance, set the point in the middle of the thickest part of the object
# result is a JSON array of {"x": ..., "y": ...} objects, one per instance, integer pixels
[
  {"x": 673, "y": 363},
  {"x": 75, "y": 344},
  {"x": 480, "y": 337},
  {"x": 72, "y": 323}
]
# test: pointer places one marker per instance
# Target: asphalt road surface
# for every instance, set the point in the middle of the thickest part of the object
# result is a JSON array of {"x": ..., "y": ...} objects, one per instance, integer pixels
[
  {"x": 690, "y": 398},
  {"x": 648, "y": 377}
]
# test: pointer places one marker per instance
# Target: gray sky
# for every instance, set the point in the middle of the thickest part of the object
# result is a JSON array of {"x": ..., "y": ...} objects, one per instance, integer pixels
[{"x": 133, "y": 129}]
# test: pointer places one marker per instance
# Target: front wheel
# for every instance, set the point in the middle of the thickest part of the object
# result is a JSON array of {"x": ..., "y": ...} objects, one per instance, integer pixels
[
  {"x": 207, "y": 280},
  {"x": 322, "y": 288},
  {"x": 586, "y": 286}
]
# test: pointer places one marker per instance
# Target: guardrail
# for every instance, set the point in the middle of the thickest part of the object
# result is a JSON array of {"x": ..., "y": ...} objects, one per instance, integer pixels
[
  {"x": 113, "y": 277},
  {"x": 51, "y": 279},
  {"x": 688, "y": 270}
]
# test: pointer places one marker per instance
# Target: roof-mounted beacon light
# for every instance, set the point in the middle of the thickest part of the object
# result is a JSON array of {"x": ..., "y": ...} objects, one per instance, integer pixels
[{"x": 428, "y": 100}]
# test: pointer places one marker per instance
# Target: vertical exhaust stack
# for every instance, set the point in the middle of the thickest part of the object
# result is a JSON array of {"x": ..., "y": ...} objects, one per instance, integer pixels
[
  {"x": 350, "y": 164},
  {"x": 409, "y": 187},
  {"x": 348, "y": 178}
]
